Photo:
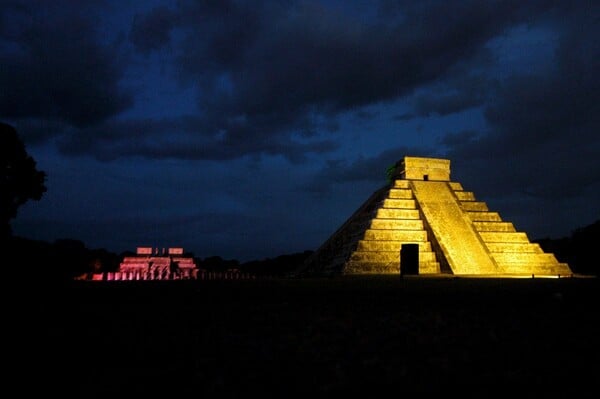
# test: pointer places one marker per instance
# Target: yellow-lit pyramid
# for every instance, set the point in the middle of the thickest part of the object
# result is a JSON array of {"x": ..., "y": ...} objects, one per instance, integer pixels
[{"x": 455, "y": 233}]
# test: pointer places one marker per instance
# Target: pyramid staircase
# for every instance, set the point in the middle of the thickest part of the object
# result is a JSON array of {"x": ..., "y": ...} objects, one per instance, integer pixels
[
  {"x": 455, "y": 233},
  {"x": 371, "y": 239},
  {"x": 510, "y": 249}
]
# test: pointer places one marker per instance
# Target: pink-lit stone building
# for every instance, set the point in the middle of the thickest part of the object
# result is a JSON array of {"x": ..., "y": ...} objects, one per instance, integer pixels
[{"x": 152, "y": 264}]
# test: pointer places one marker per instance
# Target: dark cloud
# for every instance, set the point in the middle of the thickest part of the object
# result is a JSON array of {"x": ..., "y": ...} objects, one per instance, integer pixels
[
  {"x": 406, "y": 116},
  {"x": 458, "y": 139},
  {"x": 363, "y": 115},
  {"x": 371, "y": 169},
  {"x": 453, "y": 94},
  {"x": 265, "y": 86},
  {"x": 178, "y": 138},
  {"x": 153, "y": 31},
  {"x": 55, "y": 68},
  {"x": 272, "y": 77},
  {"x": 543, "y": 139},
  {"x": 276, "y": 65}
]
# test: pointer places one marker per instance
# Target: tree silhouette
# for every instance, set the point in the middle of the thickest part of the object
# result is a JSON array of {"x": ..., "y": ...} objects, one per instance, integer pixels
[{"x": 21, "y": 181}]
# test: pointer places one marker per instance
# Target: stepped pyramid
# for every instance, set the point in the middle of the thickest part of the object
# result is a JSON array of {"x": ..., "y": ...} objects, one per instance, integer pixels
[{"x": 455, "y": 233}]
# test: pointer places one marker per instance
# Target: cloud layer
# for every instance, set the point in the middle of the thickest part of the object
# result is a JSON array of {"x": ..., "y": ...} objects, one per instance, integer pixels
[{"x": 508, "y": 90}]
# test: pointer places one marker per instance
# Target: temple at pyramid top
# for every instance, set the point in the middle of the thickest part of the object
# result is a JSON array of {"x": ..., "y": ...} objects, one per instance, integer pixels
[
  {"x": 415, "y": 168},
  {"x": 424, "y": 223}
]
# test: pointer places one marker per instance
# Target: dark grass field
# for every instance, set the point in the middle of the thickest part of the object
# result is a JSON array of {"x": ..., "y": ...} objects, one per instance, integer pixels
[{"x": 323, "y": 337}]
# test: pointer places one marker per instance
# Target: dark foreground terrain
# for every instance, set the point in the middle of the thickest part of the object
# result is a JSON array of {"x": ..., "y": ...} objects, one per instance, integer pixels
[{"x": 320, "y": 337}]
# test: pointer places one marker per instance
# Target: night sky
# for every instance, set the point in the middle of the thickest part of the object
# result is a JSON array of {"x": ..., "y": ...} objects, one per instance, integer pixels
[{"x": 249, "y": 130}]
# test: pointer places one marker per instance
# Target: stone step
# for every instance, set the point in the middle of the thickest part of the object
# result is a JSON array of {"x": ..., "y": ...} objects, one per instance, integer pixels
[
  {"x": 374, "y": 257},
  {"x": 400, "y": 193},
  {"x": 349, "y": 245},
  {"x": 340, "y": 258},
  {"x": 392, "y": 245},
  {"x": 427, "y": 257},
  {"x": 465, "y": 195},
  {"x": 514, "y": 247},
  {"x": 396, "y": 235},
  {"x": 356, "y": 226},
  {"x": 474, "y": 206},
  {"x": 386, "y": 249},
  {"x": 504, "y": 237},
  {"x": 397, "y": 224},
  {"x": 555, "y": 269},
  {"x": 388, "y": 256},
  {"x": 353, "y": 267},
  {"x": 456, "y": 186},
  {"x": 503, "y": 258},
  {"x": 494, "y": 226},
  {"x": 362, "y": 267},
  {"x": 400, "y": 183},
  {"x": 477, "y": 216},
  {"x": 399, "y": 203},
  {"x": 385, "y": 213},
  {"x": 429, "y": 268},
  {"x": 336, "y": 263}
]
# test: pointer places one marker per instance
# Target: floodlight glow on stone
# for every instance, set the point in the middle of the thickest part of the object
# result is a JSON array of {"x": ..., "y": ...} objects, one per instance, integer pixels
[{"x": 455, "y": 233}]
